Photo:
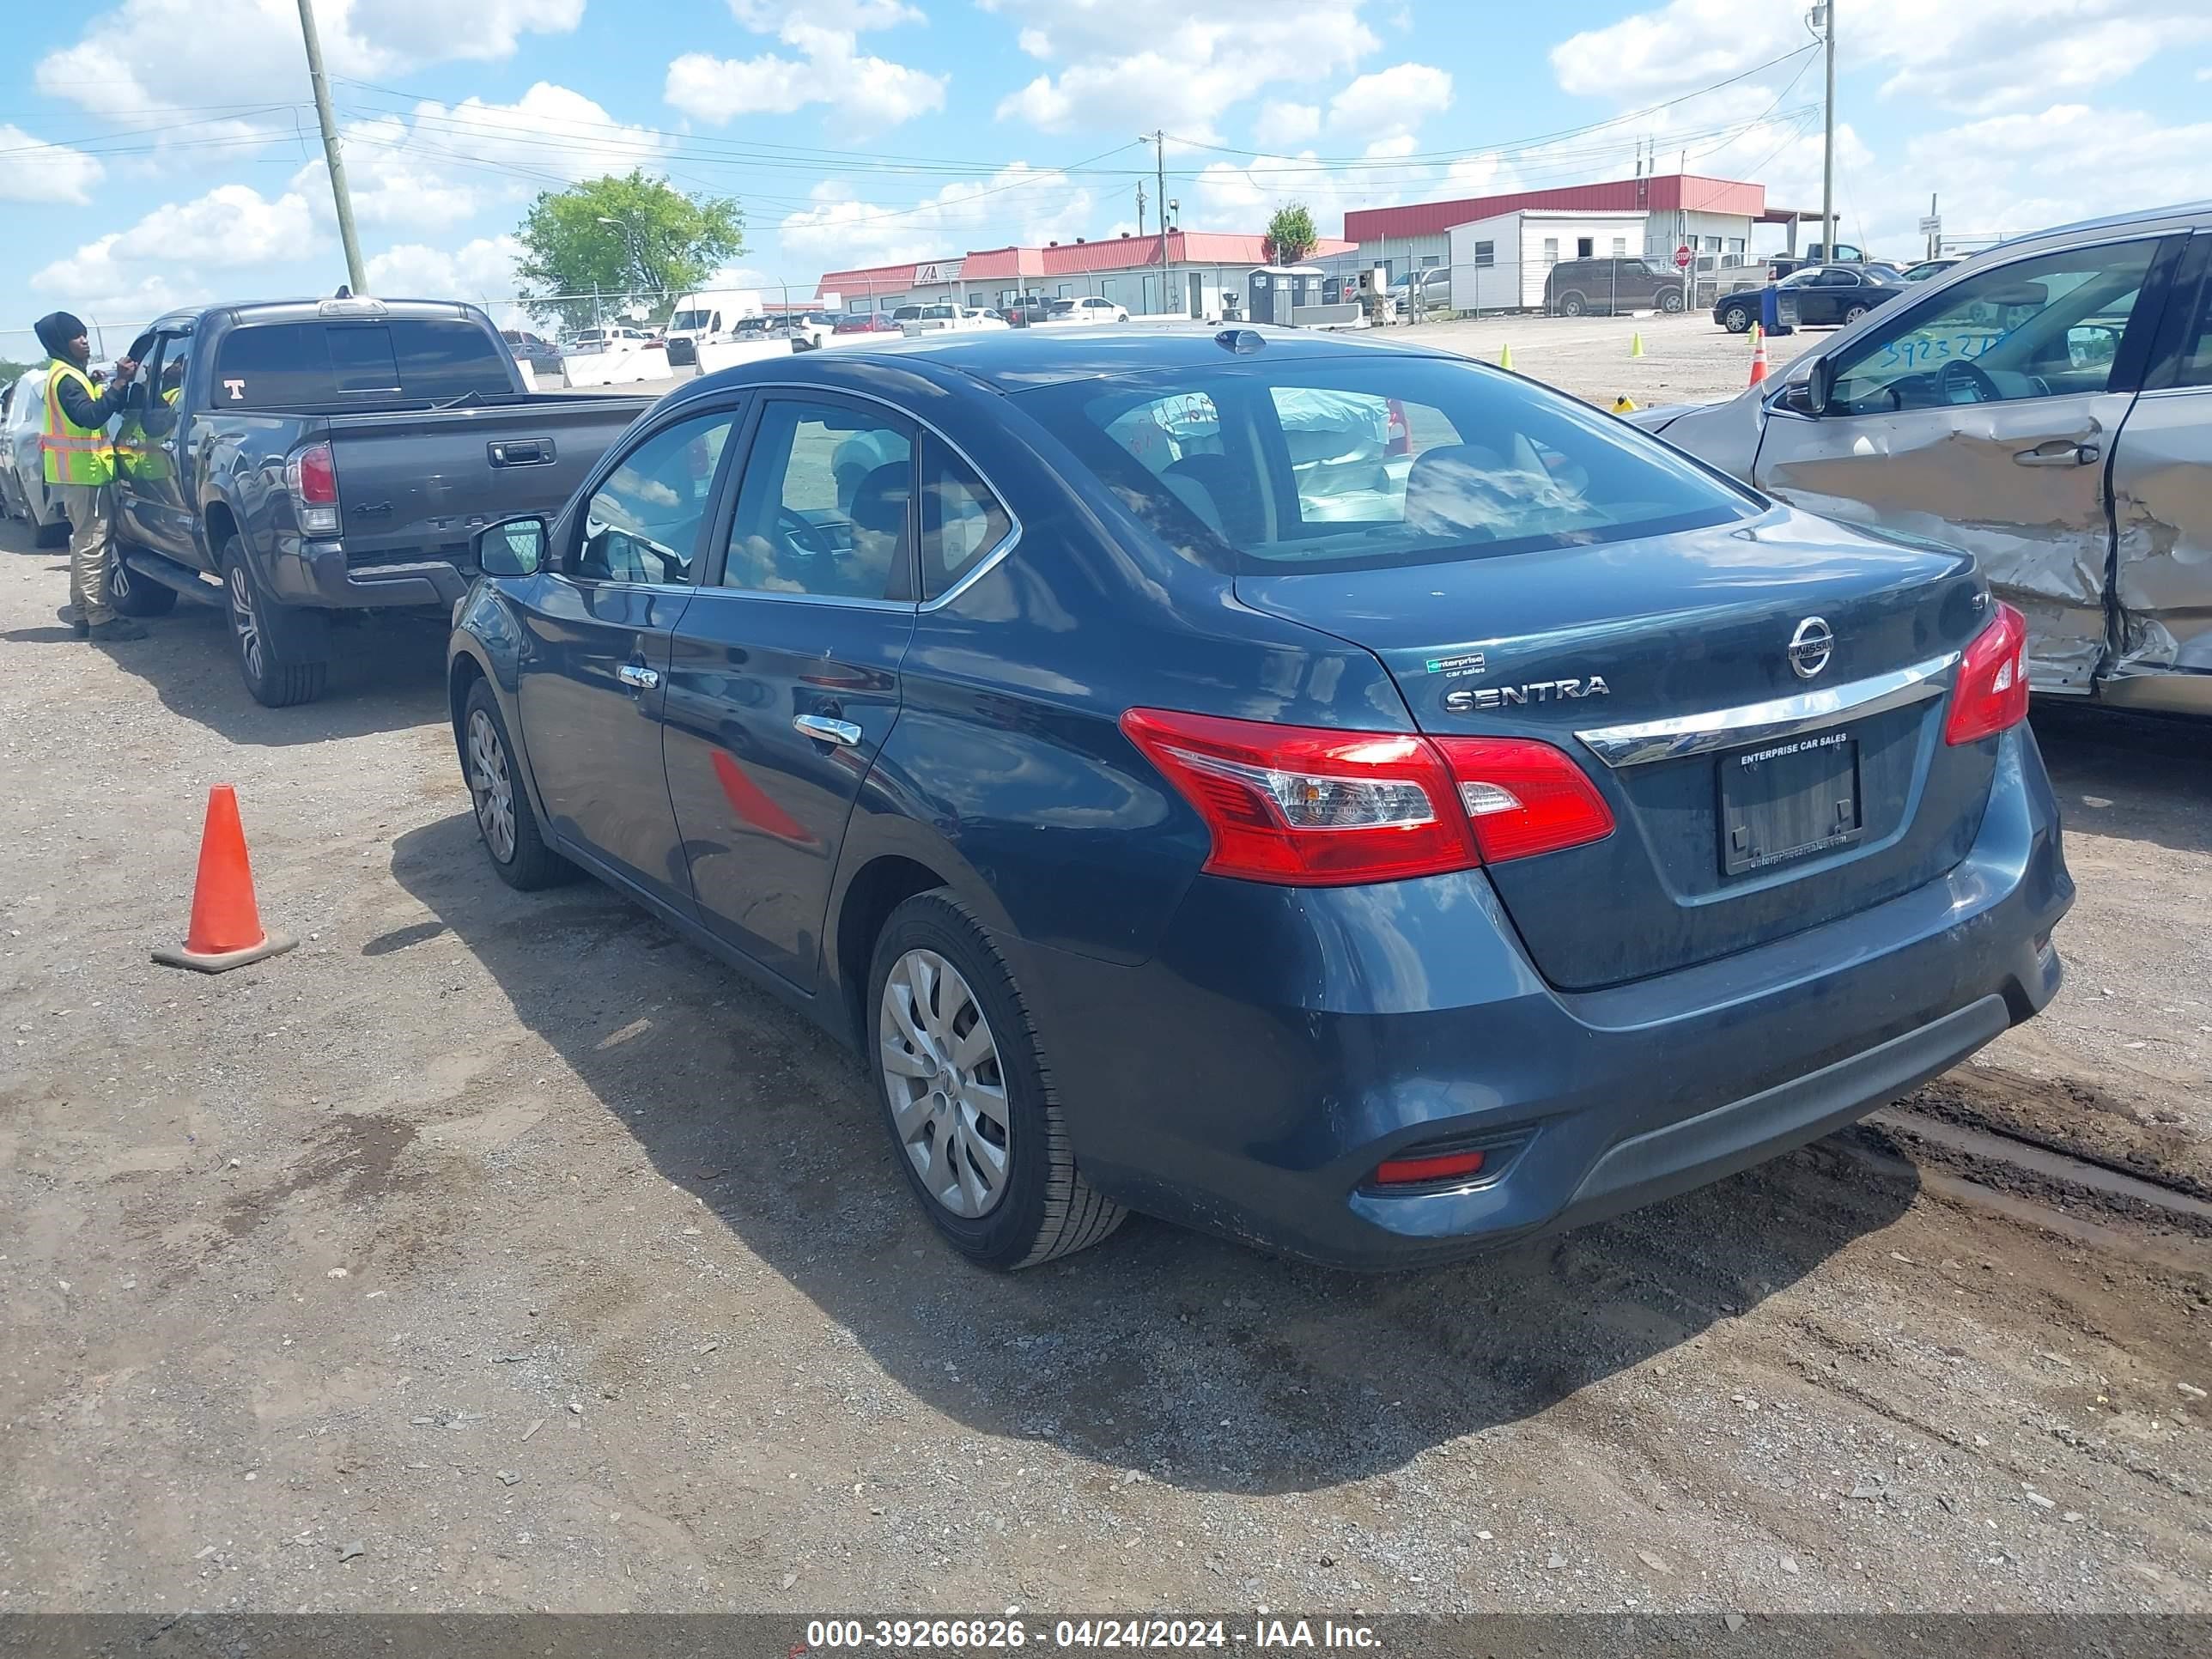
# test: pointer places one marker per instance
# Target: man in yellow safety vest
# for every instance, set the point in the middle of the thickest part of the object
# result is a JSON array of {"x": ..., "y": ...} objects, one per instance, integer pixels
[{"x": 79, "y": 461}]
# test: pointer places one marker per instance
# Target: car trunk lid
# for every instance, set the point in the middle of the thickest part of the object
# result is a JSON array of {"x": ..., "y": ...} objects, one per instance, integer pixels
[{"x": 1753, "y": 798}]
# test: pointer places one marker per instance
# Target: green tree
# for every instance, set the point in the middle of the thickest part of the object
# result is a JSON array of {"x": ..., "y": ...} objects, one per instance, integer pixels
[
  {"x": 1291, "y": 234},
  {"x": 659, "y": 243}
]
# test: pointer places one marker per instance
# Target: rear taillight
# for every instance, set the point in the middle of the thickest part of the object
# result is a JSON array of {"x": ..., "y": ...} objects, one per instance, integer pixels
[
  {"x": 1308, "y": 806},
  {"x": 1401, "y": 440},
  {"x": 1523, "y": 798},
  {"x": 1992, "y": 695},
  {"x": 313, "y": 482}
]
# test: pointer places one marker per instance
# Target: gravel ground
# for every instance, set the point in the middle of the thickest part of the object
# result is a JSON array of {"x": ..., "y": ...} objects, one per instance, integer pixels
[
  {"x": 1685, "y": 360},
  {"x": 500, "y": 1251}
]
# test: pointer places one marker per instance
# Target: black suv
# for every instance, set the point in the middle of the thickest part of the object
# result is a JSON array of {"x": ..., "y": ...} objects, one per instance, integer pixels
[{"x": 1578, "y": 288}]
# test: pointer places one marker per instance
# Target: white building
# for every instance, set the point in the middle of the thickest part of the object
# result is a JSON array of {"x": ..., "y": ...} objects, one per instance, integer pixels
[{"x": 1499, "y": 263}]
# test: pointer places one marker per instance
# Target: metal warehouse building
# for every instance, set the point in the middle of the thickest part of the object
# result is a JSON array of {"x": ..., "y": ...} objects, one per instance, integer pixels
[
  {"x": 1202, "y": 266},
  {"x": 1529, "y": 231}
]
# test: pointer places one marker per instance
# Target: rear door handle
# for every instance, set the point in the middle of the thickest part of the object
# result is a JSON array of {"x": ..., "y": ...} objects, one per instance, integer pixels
[
  {"x": 637, "y": 674},
  {"x": 822, "y": 728},
  {"x": 2059, "y": 451}
]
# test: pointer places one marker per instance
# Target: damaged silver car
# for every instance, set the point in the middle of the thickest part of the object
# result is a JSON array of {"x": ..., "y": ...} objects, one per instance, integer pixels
[{"x": 2047, "y": 405}]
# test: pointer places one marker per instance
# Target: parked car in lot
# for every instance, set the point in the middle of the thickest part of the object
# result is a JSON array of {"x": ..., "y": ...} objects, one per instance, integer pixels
[
  {"x": 588, "y": 342},
  {"x": 806, "y": 330},
  {"x": 1779, "y": 265},
  {"x": 2047, "y": 407},
  {"x": 1826, "y": 295},
  {"x": 1374, "y": 869},
  {"x": 295, "y": 461},
  {"x": 1927, "y": 268},
  {"x": 542, "y": 355},
  {"x": 1429, "y": 289},
  {"x": 1576, "y": 288},
  {"x": 1086, "y": 308},
  {"x": 23, "y": 463},
  {"x": 867, "y": 322},
  {"x": 953, "y": 318},
  {"x": 1027, "y": 309}
]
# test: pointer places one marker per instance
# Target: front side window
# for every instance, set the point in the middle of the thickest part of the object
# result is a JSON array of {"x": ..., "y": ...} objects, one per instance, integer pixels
[
  {"x": 2041, "y": 327},
  {"x": 643, "y": 525},
  {"x": 1304, "y": 465},
  {"x": 826, "y": 507}
]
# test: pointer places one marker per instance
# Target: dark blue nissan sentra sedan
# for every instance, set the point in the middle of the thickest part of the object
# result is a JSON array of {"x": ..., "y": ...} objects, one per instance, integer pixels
[{"x": 1340, "y": 796}]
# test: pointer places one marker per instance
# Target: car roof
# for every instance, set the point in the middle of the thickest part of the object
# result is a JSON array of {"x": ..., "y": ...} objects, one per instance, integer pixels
[
  {"x": 2198, "y": 209},
  {"x": 1017, "y": 359}
]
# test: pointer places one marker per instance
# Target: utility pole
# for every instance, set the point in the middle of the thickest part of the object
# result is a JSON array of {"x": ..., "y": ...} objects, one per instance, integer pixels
[
  {"x": 356, "y": 273},
  {"x": 1934, "y": 237},
  {"x": 1140, "y": 207},
  {"x": 1825, "y": 13},
  {"x": 1160, "y": 160}
]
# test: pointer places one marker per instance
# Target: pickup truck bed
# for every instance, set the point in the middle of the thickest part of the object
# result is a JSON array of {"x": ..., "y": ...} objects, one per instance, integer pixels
[{"x": 296, "y": 460}]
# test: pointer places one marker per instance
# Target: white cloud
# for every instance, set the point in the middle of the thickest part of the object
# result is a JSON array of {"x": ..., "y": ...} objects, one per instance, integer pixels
[
  {"x": 1126, "y": 64},
  {"x": 1390, "y": 102},
  {"x": 768, "y": 16},
  {"x": 874, "y": 92},
  {"x": 32, "y": 170},
  {"x": 1973, "y": 55},
  {"x": 480, "y": 271},
  {"x": 1281, "y": 124},
  {"x": 1018, "y": 203},
  {"x": 2011, "y": 175},
  {"x": 146, "y": 59},
  {"x": 129, "y": 275}
]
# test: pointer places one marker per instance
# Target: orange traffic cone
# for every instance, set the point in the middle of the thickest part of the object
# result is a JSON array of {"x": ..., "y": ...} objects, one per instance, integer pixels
[
  {"x": 225, "y": 929},
  {"x": 1758, "y": 356}
]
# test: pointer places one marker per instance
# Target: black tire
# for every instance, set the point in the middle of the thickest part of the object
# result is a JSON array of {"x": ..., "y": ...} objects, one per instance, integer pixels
[
  {"x": 135, "y": 595},
  {"x": 528, "y": 863},
  {"x": 1736, "y": 320},
  {"x": 1572, "y": 305},
  {"x": 275, "y": 671},
  {"x": 1670, "y": 300},
  {"x": 1854, "y": 314},
  {"x": 1045, "y": 1207}
]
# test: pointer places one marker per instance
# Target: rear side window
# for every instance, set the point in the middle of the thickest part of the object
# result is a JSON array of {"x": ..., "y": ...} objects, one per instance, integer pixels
[
  {"x": 1392, "y": 461},
  {"x": 962, "y": 521},
  {"x": 305, "y": 364}
]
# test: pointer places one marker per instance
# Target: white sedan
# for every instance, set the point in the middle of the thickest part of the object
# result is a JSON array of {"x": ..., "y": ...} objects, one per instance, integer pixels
[{"x": 1086, "y": 308}]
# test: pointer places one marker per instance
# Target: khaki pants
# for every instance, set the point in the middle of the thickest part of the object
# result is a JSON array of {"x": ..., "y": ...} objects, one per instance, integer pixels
[{"x": 92, "y": 549}]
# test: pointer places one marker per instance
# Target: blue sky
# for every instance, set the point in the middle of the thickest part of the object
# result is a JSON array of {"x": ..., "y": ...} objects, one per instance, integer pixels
[{"x": 159, "y": 152}]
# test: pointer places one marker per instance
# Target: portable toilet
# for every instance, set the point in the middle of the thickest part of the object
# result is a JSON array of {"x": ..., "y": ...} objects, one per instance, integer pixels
[{"x": 1275, "y": 292}]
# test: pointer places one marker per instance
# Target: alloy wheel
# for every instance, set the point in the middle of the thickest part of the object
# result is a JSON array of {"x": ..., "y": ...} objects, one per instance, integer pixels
[
  {"x": 492, "y": 785},
  {"x": 243, "y": 620},
  {"x": 945, "y": 1082}
]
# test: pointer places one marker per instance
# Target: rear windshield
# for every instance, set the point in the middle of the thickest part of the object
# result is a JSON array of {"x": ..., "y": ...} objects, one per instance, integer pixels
[
  {"x": 1329, "y": 464},
  {"x": 308, "y": 364}
]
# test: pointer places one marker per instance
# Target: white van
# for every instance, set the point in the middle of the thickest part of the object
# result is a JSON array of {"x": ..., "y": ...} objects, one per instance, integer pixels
[{"x": 713, "y": 314}]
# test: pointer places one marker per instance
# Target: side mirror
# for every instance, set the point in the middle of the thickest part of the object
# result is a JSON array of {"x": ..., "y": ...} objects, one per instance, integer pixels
[
  {"x": 1820, "y": 386},
  {"x": 512, "y": 547}
]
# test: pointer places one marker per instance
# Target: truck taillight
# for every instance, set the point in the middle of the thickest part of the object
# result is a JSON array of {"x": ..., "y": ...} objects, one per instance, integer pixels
[
  {"x": 1308, "y": 806},
  {"x": 1991, "y": 696},
  {"x": 313, "y": 482}
]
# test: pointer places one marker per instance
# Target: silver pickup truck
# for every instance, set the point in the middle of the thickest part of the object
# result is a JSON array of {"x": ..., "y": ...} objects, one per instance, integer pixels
[{"x": 2047, "y": 406}]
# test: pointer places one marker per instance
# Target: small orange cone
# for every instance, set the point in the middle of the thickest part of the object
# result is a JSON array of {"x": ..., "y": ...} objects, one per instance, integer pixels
[
  {"x": 1758, "y": 355},
  {"x": 225, "y": 929}
]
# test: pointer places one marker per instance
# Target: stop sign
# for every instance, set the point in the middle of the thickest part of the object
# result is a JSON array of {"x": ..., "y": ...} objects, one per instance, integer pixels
[{"x": 1682, "y": 256}]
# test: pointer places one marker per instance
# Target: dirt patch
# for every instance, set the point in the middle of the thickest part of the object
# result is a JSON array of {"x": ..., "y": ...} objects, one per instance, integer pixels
[{"x": 2075, "y": 1117}]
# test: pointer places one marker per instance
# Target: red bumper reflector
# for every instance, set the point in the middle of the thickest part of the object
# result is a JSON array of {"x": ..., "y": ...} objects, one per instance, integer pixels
[{"x": 1443, "y": 1166}]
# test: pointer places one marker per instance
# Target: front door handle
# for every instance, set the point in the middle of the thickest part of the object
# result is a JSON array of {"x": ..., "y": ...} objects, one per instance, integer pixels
[
  {"x": 2059, "y": 451},
  {"x": 637, "y": 674},
  {"x": 825, "y": 730}
]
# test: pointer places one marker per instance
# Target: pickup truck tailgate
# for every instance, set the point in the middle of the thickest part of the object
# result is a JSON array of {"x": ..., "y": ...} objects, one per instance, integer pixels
[{"x": 417, "y": 485}]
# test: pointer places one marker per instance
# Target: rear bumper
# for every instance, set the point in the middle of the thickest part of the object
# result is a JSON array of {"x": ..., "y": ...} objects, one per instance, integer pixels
[
  {"x": 1281, "y": 1043},
  {"x": 312, "y": 573}
]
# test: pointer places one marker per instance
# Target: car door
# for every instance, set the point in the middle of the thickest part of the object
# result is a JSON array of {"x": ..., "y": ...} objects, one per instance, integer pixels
[
  {"x": 593, "y": 663},
  {"x": 783, "y": 677},
  {"x": 1964, "y": 416},
  {"x": 2161, "y": 510}
]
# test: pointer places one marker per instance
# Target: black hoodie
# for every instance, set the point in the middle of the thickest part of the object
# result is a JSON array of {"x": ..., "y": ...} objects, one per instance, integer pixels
[{"x": 55, "y": 332}]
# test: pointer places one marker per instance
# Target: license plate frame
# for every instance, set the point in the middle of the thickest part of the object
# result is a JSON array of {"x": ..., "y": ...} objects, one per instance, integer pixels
[{"x": 1783, "y": 802}]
